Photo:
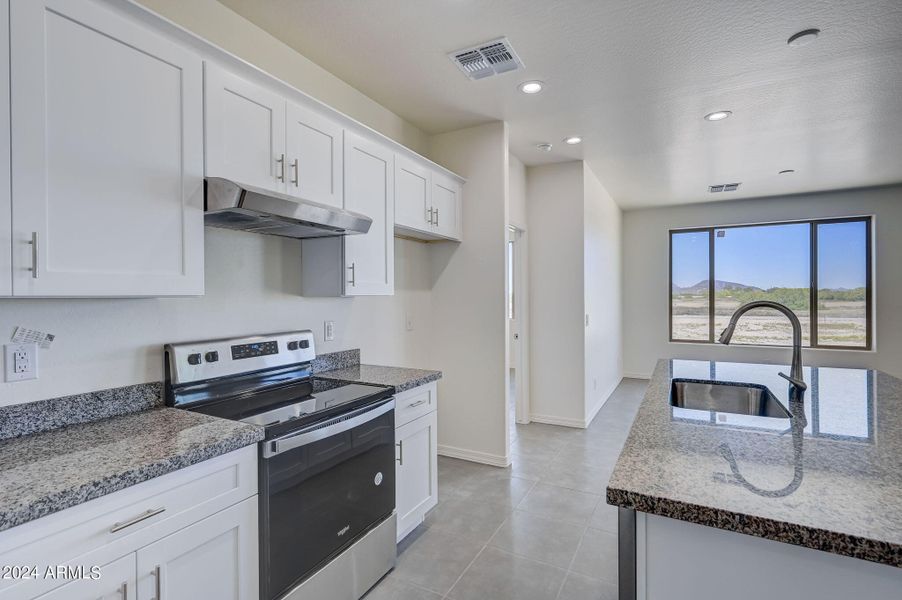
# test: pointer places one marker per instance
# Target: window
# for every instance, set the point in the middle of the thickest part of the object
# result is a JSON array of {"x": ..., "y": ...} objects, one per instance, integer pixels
[{"x": 819, "y": 269}]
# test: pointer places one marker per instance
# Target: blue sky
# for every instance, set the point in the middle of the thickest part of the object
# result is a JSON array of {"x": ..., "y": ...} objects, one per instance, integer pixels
[{"x": 774, "y": 256}]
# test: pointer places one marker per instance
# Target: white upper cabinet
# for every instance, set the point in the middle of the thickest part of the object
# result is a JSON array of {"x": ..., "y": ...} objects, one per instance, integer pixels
[
  {"x": 107, "y": 155},
  {"x": 314, "y": 155},
  {"x": 427, "y": 201},
  {"x": 369, "y": 189},
  {"x": 6, "y": 211},
  {"x": 446, "y": 206},
  {"x": 245, "y": 131},
  {"x": 413, "y": 184}
]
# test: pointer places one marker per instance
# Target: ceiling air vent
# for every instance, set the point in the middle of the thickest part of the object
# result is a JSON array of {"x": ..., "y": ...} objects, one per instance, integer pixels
[
  {"x": 724, "y": 187},
  {"x": 487, "y": 59}
]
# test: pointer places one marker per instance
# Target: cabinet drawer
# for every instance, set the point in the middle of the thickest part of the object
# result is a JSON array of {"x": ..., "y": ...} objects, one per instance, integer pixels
[
  {"x": 103, "y": 529},
  {"x": 413, "y": 404}
]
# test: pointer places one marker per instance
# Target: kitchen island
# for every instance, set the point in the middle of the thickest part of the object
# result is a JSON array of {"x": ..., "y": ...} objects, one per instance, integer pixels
[{"x": 716, "y": 504}]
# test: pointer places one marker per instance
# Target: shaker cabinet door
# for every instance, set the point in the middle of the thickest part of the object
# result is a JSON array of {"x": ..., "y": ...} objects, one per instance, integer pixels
[
  {"x": 413, "y": 208},
  {"x": 244, "y": 131},
  {"x": 107, "y": 155},
  {"x": 446, "y": 204},
  {"x": 416, "y": 471},
  {"x": 213, "y": 558},
  {"x": 116, "y": 581},
  {"x": 314, "y": 155},
  {"x": 369, "y": 189}
]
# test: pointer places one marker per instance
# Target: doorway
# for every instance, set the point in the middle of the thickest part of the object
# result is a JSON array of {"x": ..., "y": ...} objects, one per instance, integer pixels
[{"x": 517, "y": 316}]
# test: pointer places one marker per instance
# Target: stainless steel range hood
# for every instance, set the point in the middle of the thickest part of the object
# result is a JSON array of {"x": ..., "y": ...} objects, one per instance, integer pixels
[{"x": 233, "y": 205}]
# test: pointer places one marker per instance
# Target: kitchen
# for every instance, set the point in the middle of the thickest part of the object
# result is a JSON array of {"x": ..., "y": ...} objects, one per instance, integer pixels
[{"x": 107, "y": 249}]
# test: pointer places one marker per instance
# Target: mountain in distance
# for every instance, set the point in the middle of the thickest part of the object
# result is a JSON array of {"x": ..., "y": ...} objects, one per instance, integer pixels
[{"x": 702, "y": 287}]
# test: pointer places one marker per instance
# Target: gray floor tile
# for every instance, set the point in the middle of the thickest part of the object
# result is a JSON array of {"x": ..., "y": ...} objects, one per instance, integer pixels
[
  {"x": 498, "y": 575},
  {"x": 468, "y": 518},
  {"x": 578, "y": 477},
  {"x": 393, "y": 588},
  {"x": 508, "y": 491},
  {"x": 604, "y": 517},
  {"x": 545, "y": 540},
  {"x": 436, "y": 560},
  {"x": 597, "y": 556},
  {"x": 558, "y": 503},
  {"x": 580, "y": 587}
]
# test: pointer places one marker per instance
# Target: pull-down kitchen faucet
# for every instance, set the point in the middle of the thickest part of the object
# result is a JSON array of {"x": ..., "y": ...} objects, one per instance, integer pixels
[{"x": 795, "y": 377}]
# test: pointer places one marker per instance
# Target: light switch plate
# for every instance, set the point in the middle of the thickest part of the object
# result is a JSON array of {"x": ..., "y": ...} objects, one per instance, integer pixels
[
  {"x": 329, "y": 331},
  {"x": 21, "y": 361}
]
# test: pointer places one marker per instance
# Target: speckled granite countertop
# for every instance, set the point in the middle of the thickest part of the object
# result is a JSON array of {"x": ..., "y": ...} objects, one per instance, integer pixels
[
  {"x": 400, "y": 378},
  {"x": 47, "y": 472},
  {"x": 834, "y": 485}
]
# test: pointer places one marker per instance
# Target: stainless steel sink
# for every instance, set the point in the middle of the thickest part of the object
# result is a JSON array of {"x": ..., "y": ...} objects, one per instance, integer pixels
[{"x": 722, "y": 396}]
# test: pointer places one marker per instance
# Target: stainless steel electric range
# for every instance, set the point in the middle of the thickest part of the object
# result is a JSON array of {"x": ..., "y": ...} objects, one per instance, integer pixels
[{"x": 326, "y": 467}]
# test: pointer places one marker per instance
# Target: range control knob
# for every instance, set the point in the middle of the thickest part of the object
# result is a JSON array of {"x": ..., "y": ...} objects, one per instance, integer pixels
[
  {"x": 305, "y": 343},
  {"x": 292, "y": 345},
  {"x": 212, "y": 356},
  {"x": 194, "y": 359}
]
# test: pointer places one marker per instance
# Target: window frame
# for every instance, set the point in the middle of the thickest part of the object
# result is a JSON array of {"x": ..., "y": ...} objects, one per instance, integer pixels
[{"x": 812, "y": 284}]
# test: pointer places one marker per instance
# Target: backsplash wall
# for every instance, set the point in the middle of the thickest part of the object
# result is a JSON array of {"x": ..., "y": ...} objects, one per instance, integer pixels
[{"x": 252, "y": 286}]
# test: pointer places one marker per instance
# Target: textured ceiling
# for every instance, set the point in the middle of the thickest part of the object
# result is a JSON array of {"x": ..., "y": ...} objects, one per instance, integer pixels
[{"x": 634, "y": 79}]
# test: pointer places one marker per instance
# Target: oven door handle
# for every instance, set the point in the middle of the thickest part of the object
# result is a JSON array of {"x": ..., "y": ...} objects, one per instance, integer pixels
[{"x": 329, "y": 428}]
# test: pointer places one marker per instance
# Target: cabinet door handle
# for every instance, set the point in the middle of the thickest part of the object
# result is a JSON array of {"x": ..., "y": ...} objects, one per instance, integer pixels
[
  {"x": 429, "y": 212},
  {"x": 135, "y": 520},
  {"x": 353, "y": 270},
  {"x": 281, "y": 161},
  {"x": 400, "y": 458},
  {"x": 123, "y": 590},
  {"x": 436, "y": 217},
  {"x": 297, "y": 175},
  {"x": 34, "y": 254},
  {"x": 158, "y": 585},
  {"x": 417, "y": 403}
]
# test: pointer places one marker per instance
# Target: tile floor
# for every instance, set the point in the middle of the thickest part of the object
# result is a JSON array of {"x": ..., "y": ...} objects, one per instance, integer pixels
[{"x": 539, "y": 530}]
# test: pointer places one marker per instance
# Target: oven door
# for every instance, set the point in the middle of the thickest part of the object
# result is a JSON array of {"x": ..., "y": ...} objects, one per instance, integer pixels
[{"x": 321, "y": 488}]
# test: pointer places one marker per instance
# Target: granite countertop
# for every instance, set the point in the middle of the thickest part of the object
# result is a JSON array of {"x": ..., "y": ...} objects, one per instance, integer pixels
[
  {"x": 832, "y": 483},
  {"x": 400, "y": 378},
  {"x": 50, "y": 471}
]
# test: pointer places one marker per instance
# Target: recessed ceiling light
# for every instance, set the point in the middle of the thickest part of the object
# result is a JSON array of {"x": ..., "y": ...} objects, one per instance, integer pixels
[
  {"x": 718, "y": 115},
  {"x": 785, "y": 171},
  {"x": 573, "y": 140},
  {"x": 546, "y": 147},
  {"x": 531, "y": 87},
  {"x": 803, "y": 38}
]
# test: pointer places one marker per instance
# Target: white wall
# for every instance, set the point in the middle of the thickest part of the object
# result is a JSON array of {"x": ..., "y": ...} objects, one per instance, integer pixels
[
  {"x": 556, "y": 300},
  {"x": 517, "y": 179},
  {"x": 645, "y": 265},
  {"x": 469, "y": 323},
  {"x": 230, "y": 31},
  {"x": 252, "y": 286},
  {"x": 602, "y": 276},
  {"x": 574, "y": 272}
]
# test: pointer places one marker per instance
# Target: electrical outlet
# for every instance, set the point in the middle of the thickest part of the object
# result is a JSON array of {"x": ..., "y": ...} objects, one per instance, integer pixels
[
  {"x": 21, "y": 361},
  {"x": 408, "y": 322},
  {"x": 329, "y": 331}
]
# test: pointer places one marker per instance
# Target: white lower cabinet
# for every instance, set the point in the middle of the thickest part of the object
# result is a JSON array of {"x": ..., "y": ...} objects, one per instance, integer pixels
[
  {"x": 416, "y": 465},
  {"x": 187, "y": 535},
  {"x": 214, "y": 558},
  {"x": 117, "y": 582}
]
